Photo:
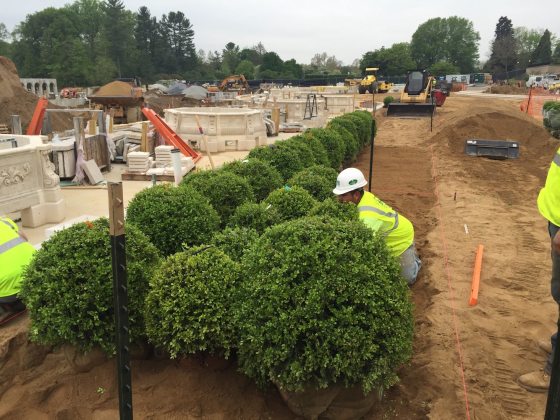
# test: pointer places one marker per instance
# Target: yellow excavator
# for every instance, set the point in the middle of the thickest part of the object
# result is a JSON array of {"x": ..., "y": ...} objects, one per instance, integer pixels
[
  {"x": 416, "y": 97},
  {"x": 370, "y": 83}
]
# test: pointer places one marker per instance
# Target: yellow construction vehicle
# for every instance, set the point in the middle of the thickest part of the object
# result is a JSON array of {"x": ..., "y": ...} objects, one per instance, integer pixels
[
  {"x": 370, "y": 83},
  {"x": 416, "y": 97}
]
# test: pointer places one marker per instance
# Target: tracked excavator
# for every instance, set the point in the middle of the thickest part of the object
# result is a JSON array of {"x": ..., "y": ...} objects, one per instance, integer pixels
[{"x": 416, "y": 98}]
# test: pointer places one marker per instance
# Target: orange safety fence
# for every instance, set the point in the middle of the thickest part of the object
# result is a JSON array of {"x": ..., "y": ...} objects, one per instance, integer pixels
[{"x": 533, "y": 104}]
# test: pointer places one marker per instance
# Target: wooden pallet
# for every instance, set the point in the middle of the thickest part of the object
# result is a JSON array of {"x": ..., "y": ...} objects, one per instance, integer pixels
[
  {"x": 4, "y": 129},
  {"x": 129, "y": 176}
]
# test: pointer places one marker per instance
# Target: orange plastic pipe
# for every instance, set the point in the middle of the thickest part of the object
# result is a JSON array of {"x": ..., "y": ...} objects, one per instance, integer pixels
[{"x": 476, "y": 276}]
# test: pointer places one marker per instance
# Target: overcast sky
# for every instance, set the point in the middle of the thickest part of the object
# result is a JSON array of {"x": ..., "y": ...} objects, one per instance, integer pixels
[{"x": 300, "y": 29}]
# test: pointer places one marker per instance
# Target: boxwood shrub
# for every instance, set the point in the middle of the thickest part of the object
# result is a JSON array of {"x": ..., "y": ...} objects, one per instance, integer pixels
[
  {"x": 331, "y": 207},
  {"x": 257, "y": 216},
  {"x": 364, "y": 129},
  {"x": 303, "y": 150},
  {"x": 233, "y": 241},
  {"x": 225, "y": 191},
  {"x": 189, "y": 306},
  {"x": 350, "y": 137},
  {"x": 171, "y": 216},
  {"x": 285, "y": 159},
  {"x": 319, "y": 151},
  {"x": 332, "y": 142},
  {"x": 262, "y": 177},
  {"x": 290, "y": 202},
  {"x": 68, "y": 286},
  {"x": 368, "y": 121},
  {"x": 318, "y": 180},
  {"x": 325, "y": 304}
]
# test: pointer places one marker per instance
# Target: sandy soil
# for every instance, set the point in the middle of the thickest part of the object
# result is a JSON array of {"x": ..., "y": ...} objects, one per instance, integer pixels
[{"x": 427, "y": 177}]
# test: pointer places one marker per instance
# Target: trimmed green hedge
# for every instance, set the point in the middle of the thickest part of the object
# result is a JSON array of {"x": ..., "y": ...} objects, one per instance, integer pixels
[
  {"x": 318, "y": 180},
  {"x": 225, "y": 191},
  {"x": 319, "y": 151},
  {"x": 256, "y": 216},
  {"x": 324, "y": 304},
  {"x": 348, "y": 132},
  {"x": 171, "y": 216},
  {"x": 304, "y": 151},
  {"x": 190, "y": 304},
  {"x": 290, "y": 202},
  {"x": 332, "y": 142},
  {"x": 233, "y": 241},
  {"x": 331, "y": 207},
  {"x": 262, "y": 177},
  {"x": 285, "y": 159},
  {"x": 68, "y": 287}
]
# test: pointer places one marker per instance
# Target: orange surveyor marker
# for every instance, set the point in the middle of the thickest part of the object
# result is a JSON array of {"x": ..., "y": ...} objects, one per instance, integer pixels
[{"x": 476, "y": 276}]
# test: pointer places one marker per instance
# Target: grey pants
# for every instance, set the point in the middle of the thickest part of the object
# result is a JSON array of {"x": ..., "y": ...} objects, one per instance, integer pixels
[
  {"x": 410, "y": 264},
  {"x": 554, "y": 290}
]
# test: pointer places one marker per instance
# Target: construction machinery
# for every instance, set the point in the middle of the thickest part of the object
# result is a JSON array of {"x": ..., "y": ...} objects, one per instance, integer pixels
[
  {"x": 371, "y": 83},
  {"x": 416, "y": 98}
]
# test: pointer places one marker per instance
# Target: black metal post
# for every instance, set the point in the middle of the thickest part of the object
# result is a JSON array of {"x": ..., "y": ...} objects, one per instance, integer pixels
[
  {"x": 553, "y": 401},
  {"x": 371, "y": 152},
  {"x": 120, "y": 298},
  {"x": 432, "y": 114}
]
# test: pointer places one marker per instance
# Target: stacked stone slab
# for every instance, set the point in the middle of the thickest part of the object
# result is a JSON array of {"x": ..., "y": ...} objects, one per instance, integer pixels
[
  {"x": 164, "y": 160},
  {"x": 139, "y": 162}
]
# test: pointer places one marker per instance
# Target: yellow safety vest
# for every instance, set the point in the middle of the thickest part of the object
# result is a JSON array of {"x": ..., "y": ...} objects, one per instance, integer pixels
[
  {"x": 15, "y": 254},
  {"x": 397, "y": 229},
  {"x": 549, "y": 196}
]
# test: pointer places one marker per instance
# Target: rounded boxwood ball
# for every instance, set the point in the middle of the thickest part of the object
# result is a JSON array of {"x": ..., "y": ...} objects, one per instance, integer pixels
[
  {"x": 68, "y": 286},
  {"x": 331, "y": 207},
  {"x": 234, "y": 241},
  {"x": 256, "y": 216},
  {"x": 262, "y": 177},
  {"x": 290, "y": 202},
  {"x": 190, "y": 304},
  {"x": 172, "y": 216},
  {"x": 324, "y": 304},
  {"x": 225, "y": 191},
  {"x": 317, "y": 180}
]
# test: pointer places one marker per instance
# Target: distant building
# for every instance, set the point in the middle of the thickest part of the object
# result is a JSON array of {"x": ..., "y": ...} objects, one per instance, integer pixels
[
  {"x": 544, "y": 69},
  {"x": 40, "y": 87}
]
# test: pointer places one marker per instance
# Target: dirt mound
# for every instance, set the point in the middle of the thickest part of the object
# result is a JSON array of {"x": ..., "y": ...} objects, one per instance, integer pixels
[
  {"x": 116, "y": 88},
  {"x": 508, "y": 90},
  {"x": 15, "y": 100}
]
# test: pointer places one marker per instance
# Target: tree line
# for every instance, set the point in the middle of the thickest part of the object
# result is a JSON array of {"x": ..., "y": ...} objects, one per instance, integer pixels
[{"x": 91, "y": 42}]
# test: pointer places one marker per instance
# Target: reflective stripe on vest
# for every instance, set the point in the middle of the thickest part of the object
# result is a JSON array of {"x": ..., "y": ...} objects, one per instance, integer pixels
[
  {"x": 391, "y": 215},
  {"x": 556, "y": 159},
  {"x": 12, "y": 243},
  {"x": 8, "y": 224}
]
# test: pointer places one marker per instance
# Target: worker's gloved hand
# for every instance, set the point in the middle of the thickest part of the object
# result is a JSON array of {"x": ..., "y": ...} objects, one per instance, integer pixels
[{"x": 556, "y": 242}]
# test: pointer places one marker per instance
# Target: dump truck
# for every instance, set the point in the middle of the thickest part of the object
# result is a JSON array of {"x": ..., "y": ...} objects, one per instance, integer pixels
[{"x": 416, "y": 98}]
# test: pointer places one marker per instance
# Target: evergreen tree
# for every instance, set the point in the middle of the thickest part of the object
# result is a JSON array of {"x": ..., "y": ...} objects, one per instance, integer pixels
[
  {"x": 504, "y": 56},
  {"x": 543, "y": 53}
]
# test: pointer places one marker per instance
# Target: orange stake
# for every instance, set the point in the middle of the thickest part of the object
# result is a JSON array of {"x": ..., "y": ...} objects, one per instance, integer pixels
[{"x": 476, "y": 276}]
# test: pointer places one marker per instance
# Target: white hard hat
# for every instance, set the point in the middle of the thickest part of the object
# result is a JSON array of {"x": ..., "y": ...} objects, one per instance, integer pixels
[{"x": 348, "y": 180}]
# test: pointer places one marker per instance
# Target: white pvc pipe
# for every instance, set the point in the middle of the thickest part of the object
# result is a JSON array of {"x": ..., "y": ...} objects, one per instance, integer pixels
[{"x": 176, "y": 159}]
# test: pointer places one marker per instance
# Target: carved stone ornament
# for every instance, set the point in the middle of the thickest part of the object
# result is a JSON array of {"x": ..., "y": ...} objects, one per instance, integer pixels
[
  {"x": 14, "y": 174},
  {"x": 50, "y": 178}
]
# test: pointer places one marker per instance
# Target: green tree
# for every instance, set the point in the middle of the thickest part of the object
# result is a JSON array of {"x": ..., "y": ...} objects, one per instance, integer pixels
[
  {"x": 450, "y": 39},
  {"x": 393, "y": 61},
  {"x": 441, "y": 68},
  {"x": 526, "y": 41},
  {"x": 292, "y": 70},
  {"x": 273, "y": 62},
  {"x": 145, "y": 34},
  {"x": 246, "y": 68},
  {"x": 178, "y": 35},
  {"x": 503, "y": 57},
  {"x": 230, "y": 57},
  {"x": 556, "y": 55},
  {"x": 543, "y": 53},
  {"x": 4, "y": 34},
  {"x": 117, "y": 36},
  {"x": 5, "y": 47}
]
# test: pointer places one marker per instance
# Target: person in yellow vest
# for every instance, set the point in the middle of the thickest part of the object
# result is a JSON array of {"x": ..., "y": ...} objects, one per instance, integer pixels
[
  {"x": 379, "y": 217},
  {"x": 548, "y": 203},
  {"x": 15, "y": 254}
]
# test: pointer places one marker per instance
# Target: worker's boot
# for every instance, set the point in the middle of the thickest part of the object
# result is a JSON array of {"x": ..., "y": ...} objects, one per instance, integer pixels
[
  {"x": 545, "y": 345},
  {"x": 536, "y": 381}
]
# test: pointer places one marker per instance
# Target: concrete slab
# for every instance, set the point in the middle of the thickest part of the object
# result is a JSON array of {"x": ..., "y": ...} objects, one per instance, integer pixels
[{"x": 93, "y": 173}]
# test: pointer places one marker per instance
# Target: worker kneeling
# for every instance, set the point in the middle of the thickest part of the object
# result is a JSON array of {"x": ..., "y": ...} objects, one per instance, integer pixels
[
  {"x": 381, "y": 218},
  {"x": 15, "y": 254}
]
